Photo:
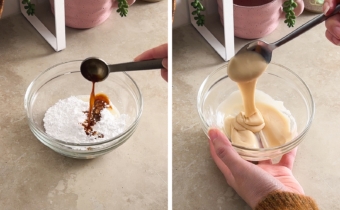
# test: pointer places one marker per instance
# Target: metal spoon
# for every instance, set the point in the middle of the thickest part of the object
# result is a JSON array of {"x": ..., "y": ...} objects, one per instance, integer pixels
[
  {"x": 266, "y": 49},
  {"x": 97, "y": 70}
]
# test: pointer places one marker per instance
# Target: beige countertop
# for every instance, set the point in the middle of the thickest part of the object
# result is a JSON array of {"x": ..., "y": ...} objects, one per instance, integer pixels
[
  {"x": 133, "y": 176},
  {"x": 197, "y": 182}
]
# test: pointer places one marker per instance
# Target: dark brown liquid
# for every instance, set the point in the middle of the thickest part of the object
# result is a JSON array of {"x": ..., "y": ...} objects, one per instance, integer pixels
[
  {"x": 251, "y": 3},
  {"x": 97, "y": 103},
  {"x": 104, "y": 98},
  {"x": 92, "y": 98}
]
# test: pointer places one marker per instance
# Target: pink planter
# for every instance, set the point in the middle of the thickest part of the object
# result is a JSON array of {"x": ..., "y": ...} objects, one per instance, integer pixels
[
  {"x": 254, "y": 19},
  {"x": 87, "y": 13}
]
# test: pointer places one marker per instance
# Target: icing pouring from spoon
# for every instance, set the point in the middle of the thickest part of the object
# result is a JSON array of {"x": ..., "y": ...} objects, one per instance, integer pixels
[
  {"x": 96, "y": 70},
  {"x": 265, "y": 49}
]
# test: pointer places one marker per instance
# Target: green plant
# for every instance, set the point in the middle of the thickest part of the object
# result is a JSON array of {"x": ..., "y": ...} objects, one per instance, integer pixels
[
  {"x": 122, "y": 7},
  {"x": 288, "y": 8},
  {"x": 30, "y": 8},
  {"x": 197, "y": 5}
]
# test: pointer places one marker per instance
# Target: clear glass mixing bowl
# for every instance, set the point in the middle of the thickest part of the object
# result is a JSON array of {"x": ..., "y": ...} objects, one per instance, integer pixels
[
  {"x": 277, "y": 81},
  {"x": 64, "y": 80}
]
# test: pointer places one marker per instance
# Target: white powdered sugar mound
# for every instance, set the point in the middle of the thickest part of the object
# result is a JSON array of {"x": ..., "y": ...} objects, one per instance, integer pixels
[{"x": 64, "y": 121}]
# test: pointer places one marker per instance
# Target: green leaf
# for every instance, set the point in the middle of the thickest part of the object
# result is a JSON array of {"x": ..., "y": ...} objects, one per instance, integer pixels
[
  {"x": 286, "y": 4},
  {"x": 122, "y": 8},
  {"x": 198, "y": 7},
  {"x": 288, "y": 8}
]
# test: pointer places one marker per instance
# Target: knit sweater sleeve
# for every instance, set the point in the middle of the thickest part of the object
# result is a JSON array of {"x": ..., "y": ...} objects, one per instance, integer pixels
[{"x": 280, "y": 200}]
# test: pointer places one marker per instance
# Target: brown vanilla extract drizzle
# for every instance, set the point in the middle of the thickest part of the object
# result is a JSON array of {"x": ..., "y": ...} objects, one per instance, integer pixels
[{"x": 98, "y": 102}]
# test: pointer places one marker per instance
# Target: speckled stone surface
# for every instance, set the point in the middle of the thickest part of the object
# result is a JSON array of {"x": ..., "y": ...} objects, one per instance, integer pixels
[
  {"x": 133, "y": 176},
  {"x": 197, "y": 182}
]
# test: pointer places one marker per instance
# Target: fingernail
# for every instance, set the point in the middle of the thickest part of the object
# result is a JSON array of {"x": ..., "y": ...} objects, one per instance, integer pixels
[
  {"x": 136, "y": 58},
  {"x": 165, "y": 63},
  {"x": 337, "y": 31},
  {"x": 325, "y": 8},
  {"x": 213, "y": 134}
]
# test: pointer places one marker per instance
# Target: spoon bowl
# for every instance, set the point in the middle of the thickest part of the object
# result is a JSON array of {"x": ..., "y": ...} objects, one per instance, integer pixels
[
  {"x": 261, "y": 47},
  {"x": 96, "y": 70}
]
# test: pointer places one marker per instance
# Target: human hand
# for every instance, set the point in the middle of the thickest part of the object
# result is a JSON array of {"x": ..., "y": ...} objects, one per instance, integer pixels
[
  {"x": 157, "y": 52},
  {"x": 252, "y": 182},
  {"x": 332, "y": 23}
]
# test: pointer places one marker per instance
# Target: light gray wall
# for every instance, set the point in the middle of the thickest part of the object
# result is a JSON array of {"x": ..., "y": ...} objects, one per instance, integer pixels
[
  {"x": 182, "y": 14},
  {"x": 11, "y": 8},
  {"x": 182, "y": 11}
]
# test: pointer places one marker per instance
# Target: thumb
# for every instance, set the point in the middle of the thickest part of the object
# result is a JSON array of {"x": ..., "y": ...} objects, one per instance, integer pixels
[
  {"x": 224, "y": 149},
  {"x": 329, "y": 6},
  {"x": 165, "y": 63}
]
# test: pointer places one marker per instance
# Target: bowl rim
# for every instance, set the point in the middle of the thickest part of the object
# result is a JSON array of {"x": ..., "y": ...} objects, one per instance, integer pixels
[
  {"x": 50, "y": 138},
  {"x": 271, "y": 149}
]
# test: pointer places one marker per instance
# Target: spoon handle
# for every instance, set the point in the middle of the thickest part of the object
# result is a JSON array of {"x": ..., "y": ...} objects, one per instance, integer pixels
[
  {"x": 305, "y": 27},
  {"x": 135, "y": 66}
]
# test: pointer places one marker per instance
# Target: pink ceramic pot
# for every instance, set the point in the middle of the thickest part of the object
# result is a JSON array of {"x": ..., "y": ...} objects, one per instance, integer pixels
[
  {"x": 87, "y": 13},
  {"x": 254, "y": 19}
]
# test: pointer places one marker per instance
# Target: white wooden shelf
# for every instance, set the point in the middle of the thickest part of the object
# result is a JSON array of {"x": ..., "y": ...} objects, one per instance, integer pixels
[
  {"x": 57, "y": 42},
  {"x": 227, "y": 50}
]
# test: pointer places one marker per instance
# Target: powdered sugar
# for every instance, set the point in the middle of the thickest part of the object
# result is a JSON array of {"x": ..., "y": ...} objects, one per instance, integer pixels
[{"x": 63, "y": 121}]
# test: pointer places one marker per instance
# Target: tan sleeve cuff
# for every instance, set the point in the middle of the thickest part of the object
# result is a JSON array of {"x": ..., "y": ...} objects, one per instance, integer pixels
[{"x": 280, "y": 200}]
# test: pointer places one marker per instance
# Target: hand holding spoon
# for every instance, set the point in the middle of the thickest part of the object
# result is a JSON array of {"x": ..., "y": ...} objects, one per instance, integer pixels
[
  {"x": 97, "y": 70},
  {"x": 265, "y": 49}
]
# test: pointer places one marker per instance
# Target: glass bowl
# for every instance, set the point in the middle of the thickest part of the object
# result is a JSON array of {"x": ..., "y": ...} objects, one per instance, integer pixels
[
  {"x": 277, "y": 81},
  {"x": 64, "y": 80}
]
